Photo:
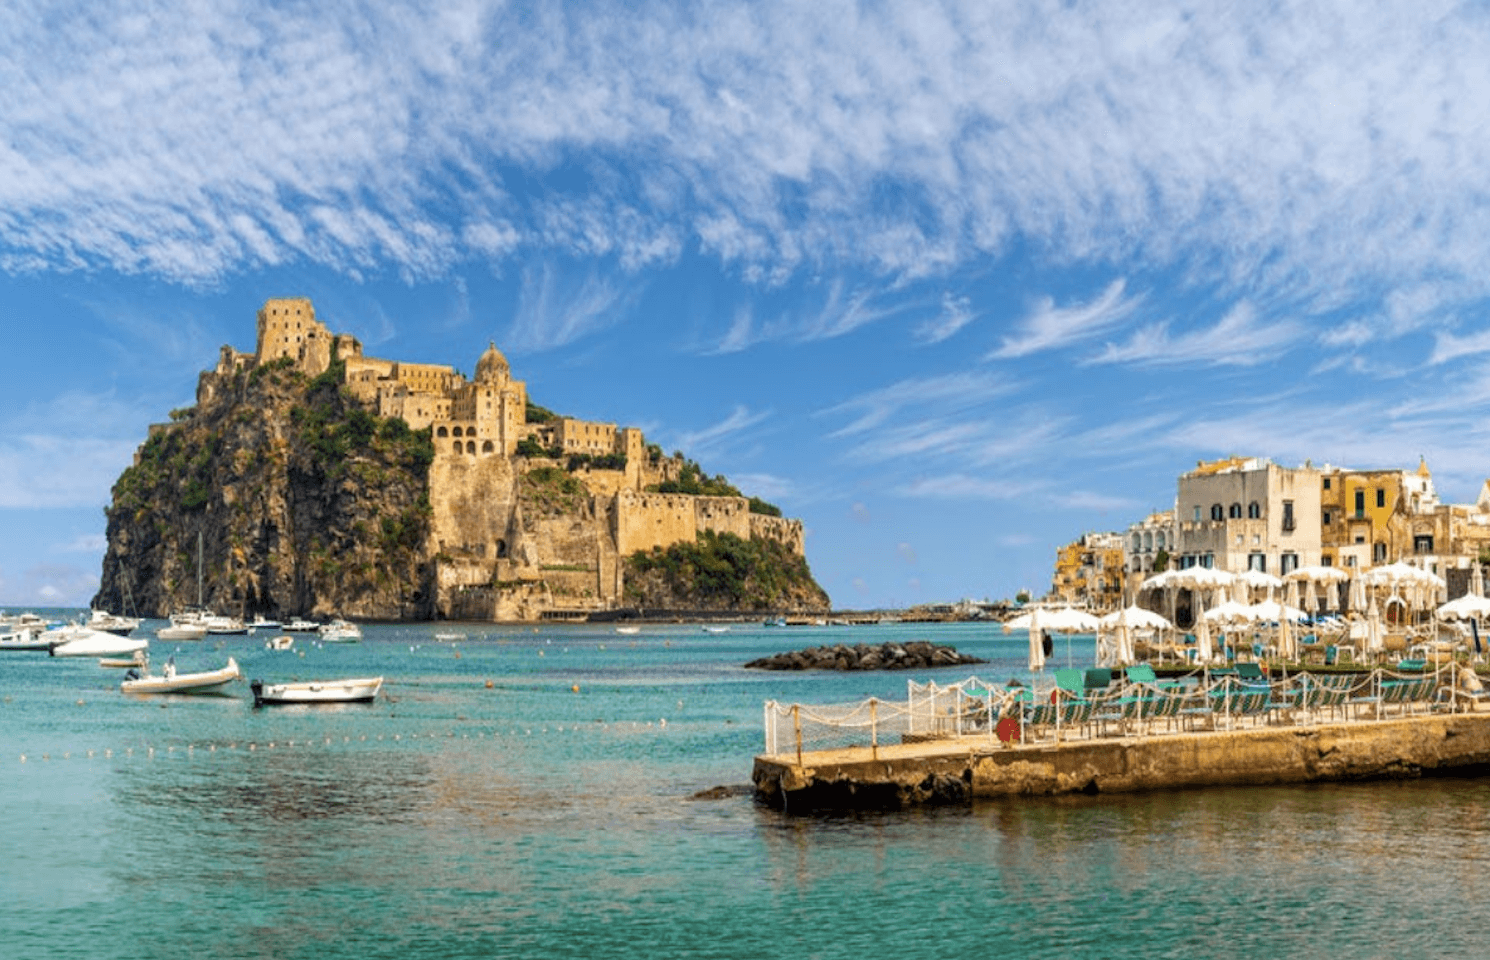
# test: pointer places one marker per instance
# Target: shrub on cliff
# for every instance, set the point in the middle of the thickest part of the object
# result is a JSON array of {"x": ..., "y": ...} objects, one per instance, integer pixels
[{"x": 722, "y": 571}]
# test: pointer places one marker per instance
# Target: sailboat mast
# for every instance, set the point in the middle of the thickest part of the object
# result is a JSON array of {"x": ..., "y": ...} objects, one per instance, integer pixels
[{"x": 199, "y": 569}]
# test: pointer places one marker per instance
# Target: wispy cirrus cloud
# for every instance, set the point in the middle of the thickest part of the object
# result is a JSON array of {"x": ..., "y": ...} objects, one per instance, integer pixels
[
  {"x": 1284, "y": 149},
  {"x": 1238, "y": 339},
  {"x": 713, "y": 437},
  {"x": 555, "y": 308},
  {"x": 956, "y": 313},
  {"x": 1049, "y": 327}
]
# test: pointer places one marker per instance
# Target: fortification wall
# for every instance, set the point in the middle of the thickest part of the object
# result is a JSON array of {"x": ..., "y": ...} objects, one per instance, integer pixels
[
  {"x": 647, "y": 520},
  {"x": 723, "y": 515},
  {"x": 780, "y": 529},
  {"x": 473, "y": 499}
]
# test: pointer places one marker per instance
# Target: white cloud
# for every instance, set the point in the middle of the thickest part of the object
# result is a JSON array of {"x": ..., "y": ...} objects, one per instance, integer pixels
[
  {"x": 1319, "y": 154},
  {"x": 1238, "y": 339},
  {"x": 957, "y": 312},
  {"x": 554, "y": 309},
  {"x": 60, "y": 471},
  {"x": 699, "y": 443},
  {"x": 1049, "y": 327}
]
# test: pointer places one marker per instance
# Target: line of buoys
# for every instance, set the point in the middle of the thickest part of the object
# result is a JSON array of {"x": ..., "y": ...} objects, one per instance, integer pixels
[{"x": 149, "y": 751}]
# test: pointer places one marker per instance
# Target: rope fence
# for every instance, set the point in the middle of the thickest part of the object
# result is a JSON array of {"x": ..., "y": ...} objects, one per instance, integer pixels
[{"x": 980, "y": 711}]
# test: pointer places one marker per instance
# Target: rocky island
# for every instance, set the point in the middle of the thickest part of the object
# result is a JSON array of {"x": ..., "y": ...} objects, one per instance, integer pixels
[{"x": 310, "y": 479}]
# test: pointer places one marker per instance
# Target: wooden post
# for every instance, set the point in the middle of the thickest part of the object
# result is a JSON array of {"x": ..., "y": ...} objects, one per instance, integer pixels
[
  {"x": 874, "y": 739},
  {"x": 797, "y": 723}
]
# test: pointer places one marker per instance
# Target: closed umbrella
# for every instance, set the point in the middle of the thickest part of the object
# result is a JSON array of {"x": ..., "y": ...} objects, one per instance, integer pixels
[
  {"x": 1037, "y": 643},
  {"x": 1284, "y": 641},
  {"x": 1203, "y": 651},
  {"x": 1476, "y": 580}
]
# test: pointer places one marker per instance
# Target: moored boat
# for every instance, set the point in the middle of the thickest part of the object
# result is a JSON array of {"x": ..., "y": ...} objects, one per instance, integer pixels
[
  {"x": 24, "y": 640},
  {"x": 280, "y": 643},
  {"x": 196, "y": 684},
  {"x": 112, "y": 623},
  {"x": 183, "y": 630},
  {"x": 136, "y": 661},
  {"x": 301, "y": 625},
  {"x": 264, "y": 623},
  {"x": 81, "y": 641},
  {"x": 316, "y": 691},
  {"x": 340, "y": 631}
]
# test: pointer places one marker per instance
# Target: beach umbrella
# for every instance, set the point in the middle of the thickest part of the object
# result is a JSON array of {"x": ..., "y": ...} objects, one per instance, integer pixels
[
  {"x": 1358, "y": 594},
  {"x": 1476, "y": 580},
  {"x": 1374, "y": 644},
  {"x": 1068, "y": 620},
  {"x": 1230, "y": 612},
  {"x": 1037, "y": 645},
  {"x": 1270, "y": 610},
  {"x": 1137, "y": 618},
  {"x": 1311, "y": 605},
  {"x": 1468, "y": 607},
  {"x": 1260, "y": 580},
  {"x": 1284, "y": 640},
  {"x": 1203, "y": 651},
  {"x": 1291, "y": 593},
  {"x": 1317, "y": 573}
]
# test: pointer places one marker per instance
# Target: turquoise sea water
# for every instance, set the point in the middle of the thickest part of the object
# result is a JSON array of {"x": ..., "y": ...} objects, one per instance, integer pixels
[{"x": 525, "y": 819}]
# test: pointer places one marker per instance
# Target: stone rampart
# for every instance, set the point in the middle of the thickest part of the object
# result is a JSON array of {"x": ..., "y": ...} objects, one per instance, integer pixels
[{"x": 781, "y": 530}]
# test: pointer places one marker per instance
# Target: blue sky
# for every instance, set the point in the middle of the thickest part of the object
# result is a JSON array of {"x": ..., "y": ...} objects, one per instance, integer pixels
[{"x": 953, "y": 283}]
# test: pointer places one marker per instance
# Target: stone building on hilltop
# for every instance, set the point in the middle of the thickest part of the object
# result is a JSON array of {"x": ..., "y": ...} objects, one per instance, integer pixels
[{"x": 514, "y": 537}]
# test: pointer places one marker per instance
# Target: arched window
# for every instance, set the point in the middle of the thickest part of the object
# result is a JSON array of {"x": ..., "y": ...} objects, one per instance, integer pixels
[
  {"x": 1159, "y": 541},
  {"x": 1235, "y": 511},
  {"x": 501, "y": 549},
  {"x": 1218, "y": 512},
  {"x": 470, "y": 446},
  {"x": 1137, "y": 543},
  {"x": 442, "y": 432},
  {"x": 1148, "y": 541},
  {"x": 1254, "y": 511},
  {"x": 456, "y": 446},
  {"x": 487, "y": 447}
]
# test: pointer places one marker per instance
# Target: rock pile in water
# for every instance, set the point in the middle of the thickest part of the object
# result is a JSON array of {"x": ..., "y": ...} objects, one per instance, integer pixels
[{"x": 917, "y": 655}]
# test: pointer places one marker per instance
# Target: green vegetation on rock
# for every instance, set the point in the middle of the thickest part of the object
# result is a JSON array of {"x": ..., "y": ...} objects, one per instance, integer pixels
[{"x": 720, "y": 571}]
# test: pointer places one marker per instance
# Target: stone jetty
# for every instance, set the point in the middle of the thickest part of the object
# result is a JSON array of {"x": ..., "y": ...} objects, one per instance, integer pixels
[
  {"x": 958, "y": 769},
  {"x": 916, "y": 655}
]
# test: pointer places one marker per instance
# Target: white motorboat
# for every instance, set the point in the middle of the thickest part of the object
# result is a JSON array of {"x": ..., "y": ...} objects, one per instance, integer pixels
[
  {"x": 629, "y": 631},
  {"x": 279, "y": 643},
  {"x": 225, "y": 626},
  {"x": 81, "y": 641},
  {"x": 183, "y": 630},
  {"x": 24, "y": 640},
  {"x": 206, "y": 682},
  {"x": 112, "y": 623},
  {"x": 316, "y": 691},
  {"x": 300, "y": 625},
  {"x": 340, "y": 631},
  {"x": 716, "y": 629},
  {"x": 264, "y": 623}
]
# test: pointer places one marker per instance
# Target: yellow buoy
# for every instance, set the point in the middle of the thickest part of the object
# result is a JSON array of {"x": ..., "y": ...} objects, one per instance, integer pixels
[
  {"x": 489, "y": 684},
  {"x": 575, "y": 688}
]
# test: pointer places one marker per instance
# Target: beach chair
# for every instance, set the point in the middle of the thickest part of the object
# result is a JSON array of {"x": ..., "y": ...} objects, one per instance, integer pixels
[
  {"x": 1144, "y": 674},
  {"x": 1097, "y": 679},
  {"x": 1251, "y": 673}
]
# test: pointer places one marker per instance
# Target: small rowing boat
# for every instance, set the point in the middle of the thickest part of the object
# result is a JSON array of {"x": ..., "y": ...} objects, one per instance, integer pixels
[{"x": 316, "y": 691}]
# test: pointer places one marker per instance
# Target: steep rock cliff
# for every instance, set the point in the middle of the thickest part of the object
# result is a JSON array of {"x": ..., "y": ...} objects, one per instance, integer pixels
[{"x": 303, "y": 503}]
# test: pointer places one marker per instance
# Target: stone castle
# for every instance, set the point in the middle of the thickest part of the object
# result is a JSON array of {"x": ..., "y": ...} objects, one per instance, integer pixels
[{"x": 495, "y": 557}]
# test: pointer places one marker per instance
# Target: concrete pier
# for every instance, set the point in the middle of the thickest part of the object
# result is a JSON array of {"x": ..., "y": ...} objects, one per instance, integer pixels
[{"x": 958, "y": 770}]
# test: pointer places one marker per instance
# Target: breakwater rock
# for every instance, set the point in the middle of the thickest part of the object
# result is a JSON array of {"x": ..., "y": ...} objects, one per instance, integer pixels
[{"x": 916, "y": 655}]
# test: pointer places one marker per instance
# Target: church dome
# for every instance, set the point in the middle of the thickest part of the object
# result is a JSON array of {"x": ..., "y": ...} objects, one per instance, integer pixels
[{"x": 492, "y": 367}]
